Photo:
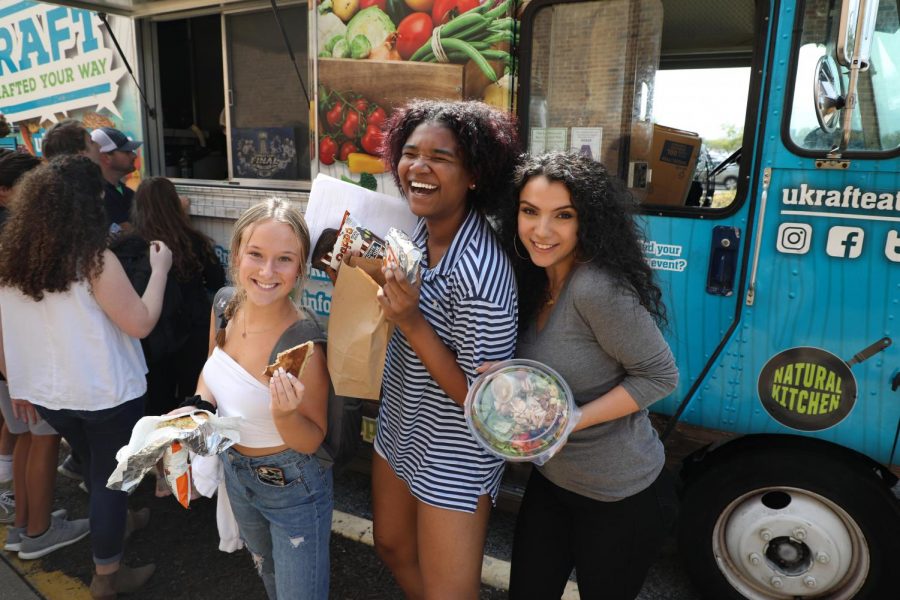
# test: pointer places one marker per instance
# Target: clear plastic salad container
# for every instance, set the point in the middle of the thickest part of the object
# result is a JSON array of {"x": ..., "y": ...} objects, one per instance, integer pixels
[{"x": 521, "y": 410}]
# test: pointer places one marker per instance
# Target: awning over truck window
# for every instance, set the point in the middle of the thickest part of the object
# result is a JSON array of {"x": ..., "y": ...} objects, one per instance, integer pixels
[{"x": 144, "y": 8}]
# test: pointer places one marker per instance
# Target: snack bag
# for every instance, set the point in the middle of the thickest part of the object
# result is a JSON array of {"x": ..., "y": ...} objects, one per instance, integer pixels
[
  {"x": 170, "y": 437},
  {"x": 177, "y": 467},
  {"x": 355, "y": 240},
  {"x": 402, "y": 251}
]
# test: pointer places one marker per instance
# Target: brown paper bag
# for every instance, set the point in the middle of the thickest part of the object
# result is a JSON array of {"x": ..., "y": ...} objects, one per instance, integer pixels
[{"x": 358, "y": 332}]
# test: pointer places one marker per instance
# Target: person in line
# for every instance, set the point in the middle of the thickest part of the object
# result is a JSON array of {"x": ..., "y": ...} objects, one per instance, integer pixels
[
  {"x": 590, "y": 309},
  {"x": 280, "y": 493},
  {"x": 117, "y": 156},
  {"x": 69, "y": 137},
  {"x": 12, "y": 166},
  {"x": 35, "y": 445},
  {"x": 70, "y": 293},
  {"x": 28, "y": 462},
  {"x": 432, "y": 484},
  {"x": 177, "y": 347}
]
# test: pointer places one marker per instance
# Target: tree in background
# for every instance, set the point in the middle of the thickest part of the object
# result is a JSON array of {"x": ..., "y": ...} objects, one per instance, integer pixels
[{"x": 731, "y": 141}]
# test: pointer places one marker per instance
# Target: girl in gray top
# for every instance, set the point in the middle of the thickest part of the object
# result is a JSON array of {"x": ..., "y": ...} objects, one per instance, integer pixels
[{"x": 589, "y": 308}]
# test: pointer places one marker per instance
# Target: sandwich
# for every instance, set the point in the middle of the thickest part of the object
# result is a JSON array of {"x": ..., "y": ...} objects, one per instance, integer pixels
[
  {"x": 187, "y": 421},
  {"x": 293, "y": 360}
]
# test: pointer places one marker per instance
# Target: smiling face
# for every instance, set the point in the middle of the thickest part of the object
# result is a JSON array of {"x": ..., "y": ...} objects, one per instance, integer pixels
[
  {"x": 271, "y": 260},
  {"x": 432, "y": 175},
  {"x": 548, "y": 224}
]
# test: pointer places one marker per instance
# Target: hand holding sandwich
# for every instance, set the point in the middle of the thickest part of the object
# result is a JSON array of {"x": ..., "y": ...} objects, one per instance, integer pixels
[{"x": 287, "y": 393}]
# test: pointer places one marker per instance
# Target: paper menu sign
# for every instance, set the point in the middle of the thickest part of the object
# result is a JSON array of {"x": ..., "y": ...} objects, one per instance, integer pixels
[
  {"x": 538, "y": 140},
  {"x": 330, "y": 197},
  {"x": 555, "y": 138},
  {"x": 586, "y": 141}
]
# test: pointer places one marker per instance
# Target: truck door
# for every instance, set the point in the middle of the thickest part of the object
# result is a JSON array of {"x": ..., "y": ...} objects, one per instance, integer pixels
[{"x": 677, "y": 118}]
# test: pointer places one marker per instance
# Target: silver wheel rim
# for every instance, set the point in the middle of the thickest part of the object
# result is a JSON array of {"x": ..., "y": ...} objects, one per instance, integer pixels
[{"x": 810, "y": 547}]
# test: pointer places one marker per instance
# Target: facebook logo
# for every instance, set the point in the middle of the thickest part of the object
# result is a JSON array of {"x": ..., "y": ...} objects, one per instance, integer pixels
[
  {"x": 892, "y": 246},
  {"x": 845, "y": 242}
]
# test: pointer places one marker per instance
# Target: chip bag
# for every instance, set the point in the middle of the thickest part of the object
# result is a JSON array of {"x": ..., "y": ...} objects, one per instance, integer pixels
[{"x": 177, "y": 468}]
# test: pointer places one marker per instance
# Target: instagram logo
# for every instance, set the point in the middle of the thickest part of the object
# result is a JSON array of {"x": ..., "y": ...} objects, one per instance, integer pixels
[{"x": 794, "y": 238}]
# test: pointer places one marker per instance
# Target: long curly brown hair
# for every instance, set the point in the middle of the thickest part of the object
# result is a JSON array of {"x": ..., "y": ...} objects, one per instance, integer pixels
[
  {"x": 157, "y": 214},
  {"x": 56, "y": 233}
]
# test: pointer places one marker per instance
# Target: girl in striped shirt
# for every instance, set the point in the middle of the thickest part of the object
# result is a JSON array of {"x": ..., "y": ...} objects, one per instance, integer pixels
[{"x": 432, "y": 485}]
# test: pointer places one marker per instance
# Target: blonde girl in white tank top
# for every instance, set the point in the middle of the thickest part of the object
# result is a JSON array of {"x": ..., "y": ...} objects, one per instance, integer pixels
[{"x": 280, "y": 494}]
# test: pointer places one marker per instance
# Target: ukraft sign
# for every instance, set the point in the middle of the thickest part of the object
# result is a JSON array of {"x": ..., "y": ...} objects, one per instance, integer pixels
[{"x": 53, "y": 59}]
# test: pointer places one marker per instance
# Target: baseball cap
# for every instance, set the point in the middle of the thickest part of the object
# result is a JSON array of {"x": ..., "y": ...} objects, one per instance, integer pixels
[{"x": 110, "y": 139}]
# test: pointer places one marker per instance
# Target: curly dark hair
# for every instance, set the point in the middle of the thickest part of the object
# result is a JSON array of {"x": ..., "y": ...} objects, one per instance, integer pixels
[
  {"x": 487, "y": 137},
  {"x": 56, "y": 233},
  {"x": 157, "y": 214},
  {"x": 608, "y": 234}
]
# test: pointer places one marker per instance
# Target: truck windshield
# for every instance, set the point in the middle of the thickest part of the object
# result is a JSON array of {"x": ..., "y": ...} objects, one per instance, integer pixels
[{"x": 876, "y": 118}]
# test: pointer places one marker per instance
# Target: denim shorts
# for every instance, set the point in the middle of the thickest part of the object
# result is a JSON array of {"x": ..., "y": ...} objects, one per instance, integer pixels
[{"x": 286, "y": 527}]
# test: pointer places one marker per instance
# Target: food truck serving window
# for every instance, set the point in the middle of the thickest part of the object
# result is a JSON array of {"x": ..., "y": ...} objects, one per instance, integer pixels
[
  {"x": 269, "y": 125},
  {"x": 875, "y": 120},
  {"x": 232, "y": 106},
  {"x": 656, "y": 90}
]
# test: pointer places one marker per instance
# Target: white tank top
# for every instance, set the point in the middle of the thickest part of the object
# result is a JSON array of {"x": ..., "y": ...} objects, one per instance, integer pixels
[
  {"x": 64, "y": 352},
  {"x": 240, "y": 394}
]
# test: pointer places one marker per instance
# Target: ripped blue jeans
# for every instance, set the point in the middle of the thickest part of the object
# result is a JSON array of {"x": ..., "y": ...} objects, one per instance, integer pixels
[{"x": 287, "y": 527}]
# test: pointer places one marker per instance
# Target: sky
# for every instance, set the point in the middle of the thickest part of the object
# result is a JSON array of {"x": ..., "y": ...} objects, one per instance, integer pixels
[{"x": 704, "y": 101}]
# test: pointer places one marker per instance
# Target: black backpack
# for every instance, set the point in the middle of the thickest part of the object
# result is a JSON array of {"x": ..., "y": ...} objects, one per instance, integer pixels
[
  {"x": 343, "y": 437},
  {"x": 172, "y": 329}
]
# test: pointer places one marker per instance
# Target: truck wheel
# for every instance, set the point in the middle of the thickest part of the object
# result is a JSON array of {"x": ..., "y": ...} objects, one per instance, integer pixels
[
  {"x": 731, "y": 183},
  {"x": 788, "y": 523}
]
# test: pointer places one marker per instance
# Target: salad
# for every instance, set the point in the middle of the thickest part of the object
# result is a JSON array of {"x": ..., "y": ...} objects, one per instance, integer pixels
[{"x": 520, "y": 410}]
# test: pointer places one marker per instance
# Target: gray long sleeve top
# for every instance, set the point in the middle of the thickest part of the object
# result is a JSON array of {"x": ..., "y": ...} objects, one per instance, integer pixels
[{"x": 598, "y": 336}]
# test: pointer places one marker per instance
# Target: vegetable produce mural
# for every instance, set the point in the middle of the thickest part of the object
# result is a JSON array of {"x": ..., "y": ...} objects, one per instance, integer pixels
[{"x": 374, "y": 55}]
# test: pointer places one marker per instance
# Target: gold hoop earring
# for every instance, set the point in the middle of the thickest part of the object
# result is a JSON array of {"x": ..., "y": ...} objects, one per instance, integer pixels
[{"x": 516, "y": 248}]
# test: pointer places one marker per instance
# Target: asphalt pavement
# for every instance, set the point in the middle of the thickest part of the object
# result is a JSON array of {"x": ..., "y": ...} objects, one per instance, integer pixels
[{"x": 184, "y": 546}]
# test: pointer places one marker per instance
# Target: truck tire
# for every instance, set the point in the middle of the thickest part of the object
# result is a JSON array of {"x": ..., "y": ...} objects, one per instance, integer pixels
[{"x": 789, "y": 522}]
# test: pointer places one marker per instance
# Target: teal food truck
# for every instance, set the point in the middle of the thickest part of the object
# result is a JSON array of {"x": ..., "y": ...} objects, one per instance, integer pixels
[{"x": 781, "y": 278}]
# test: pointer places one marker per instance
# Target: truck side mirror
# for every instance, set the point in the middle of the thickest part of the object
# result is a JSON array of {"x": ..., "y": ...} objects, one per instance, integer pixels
[
  {"x": 857, "y": 26},
  {"x": 827, "y": 97}
]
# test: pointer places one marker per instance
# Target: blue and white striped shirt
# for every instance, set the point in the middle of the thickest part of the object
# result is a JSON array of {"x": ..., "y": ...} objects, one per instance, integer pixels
[{"x": 470, "y": 299}]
